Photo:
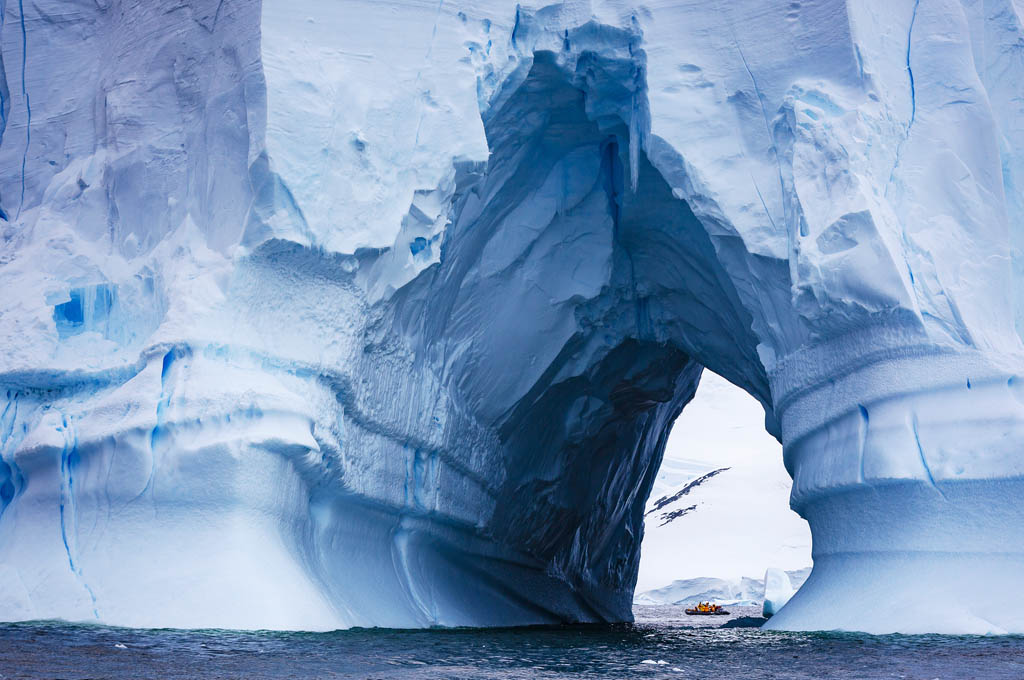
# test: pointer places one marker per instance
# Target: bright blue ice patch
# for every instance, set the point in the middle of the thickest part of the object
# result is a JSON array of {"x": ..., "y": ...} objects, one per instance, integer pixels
[
  {"x": 87, "y": 310},
  {"x": 417, "y": 245},
  {"x": 126, "y": 313}
]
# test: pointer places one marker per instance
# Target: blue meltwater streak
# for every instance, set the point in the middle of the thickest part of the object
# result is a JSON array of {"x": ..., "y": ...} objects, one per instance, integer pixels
[{"x": 69, "y": 458}]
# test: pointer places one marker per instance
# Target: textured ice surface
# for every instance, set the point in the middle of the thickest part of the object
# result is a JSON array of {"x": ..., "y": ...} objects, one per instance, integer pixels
[{"x": 325, "y": 313}]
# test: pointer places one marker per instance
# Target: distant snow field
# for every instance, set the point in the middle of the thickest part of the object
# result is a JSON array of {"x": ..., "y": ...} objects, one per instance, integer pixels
[{"x": 719, "y": 510}]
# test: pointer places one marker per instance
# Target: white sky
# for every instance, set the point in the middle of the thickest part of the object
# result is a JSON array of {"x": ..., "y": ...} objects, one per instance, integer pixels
[{"x": 742, "y": 524}]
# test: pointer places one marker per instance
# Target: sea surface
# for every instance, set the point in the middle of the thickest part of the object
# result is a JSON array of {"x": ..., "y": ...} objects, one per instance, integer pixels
[{"x": 662, "y": 643}]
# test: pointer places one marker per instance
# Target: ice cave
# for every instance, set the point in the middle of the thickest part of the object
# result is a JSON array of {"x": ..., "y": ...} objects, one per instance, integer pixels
[{"x": 325, "y": 314}]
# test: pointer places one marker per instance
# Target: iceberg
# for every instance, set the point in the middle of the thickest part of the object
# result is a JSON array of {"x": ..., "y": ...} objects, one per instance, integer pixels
[
  {"x": 322, "y": 314},
  {"x": 743, "y": 591},
  {"x": 778, "y": 590}
]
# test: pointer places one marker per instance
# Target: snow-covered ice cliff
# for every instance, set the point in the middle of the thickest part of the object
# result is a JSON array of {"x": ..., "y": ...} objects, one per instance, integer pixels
[{"x": 323, "y": 314}]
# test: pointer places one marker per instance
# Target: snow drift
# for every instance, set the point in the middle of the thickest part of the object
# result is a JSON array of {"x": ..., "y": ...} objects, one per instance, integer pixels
[{"x": 323, "y": 314}]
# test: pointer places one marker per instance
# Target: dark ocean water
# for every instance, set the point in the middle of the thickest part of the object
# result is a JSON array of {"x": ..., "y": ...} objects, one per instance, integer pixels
[{"x": 663, "y": 643}]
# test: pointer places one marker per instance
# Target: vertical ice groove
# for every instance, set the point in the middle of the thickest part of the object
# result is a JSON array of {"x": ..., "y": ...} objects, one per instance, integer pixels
[
  {"x": 8, "y": 487},
  {"x": 910, "y": 71},
  {"x": 157, "y": 435},
  {"x": 862, "y": 443},
  {"x": 515, "y": 26},
  {"x": 408, "y": 580},
  {"x": 763, "y": 204},
  {"x": 28, "y": 106},
  {"x": 10, "y": 438},
  {"x": 4, "y": 93},
  {"x": 400, "y": 539},
  {"x": 68, "y": 508},
  {"x": 66, "y": 482},
  {"x": 611, "y": 171},
  {"x": 764, "y": 111},
  {"x": 920, "y": 452},
  {"x": 10, "y": 414},
  {"x": 634, "y": 145},
  {"x": 913, "y": 104}
]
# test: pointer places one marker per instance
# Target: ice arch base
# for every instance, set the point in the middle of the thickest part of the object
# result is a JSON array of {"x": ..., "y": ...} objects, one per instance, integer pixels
[
  {"x": 910, "y": 479},
  {"x": 939, "y": 559}
]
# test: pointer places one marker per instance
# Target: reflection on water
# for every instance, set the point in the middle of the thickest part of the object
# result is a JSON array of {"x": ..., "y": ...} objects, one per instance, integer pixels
[{"x": 663, "y": 643}]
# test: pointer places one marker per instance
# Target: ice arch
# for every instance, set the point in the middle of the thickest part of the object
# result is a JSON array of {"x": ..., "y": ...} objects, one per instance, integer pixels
[{"x": 392, "y": 332}]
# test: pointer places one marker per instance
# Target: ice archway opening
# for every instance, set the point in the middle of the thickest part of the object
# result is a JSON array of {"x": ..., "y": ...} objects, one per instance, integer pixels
[
  {"x": 719, "y": 508},
  {"x": 574, "y": 290}
]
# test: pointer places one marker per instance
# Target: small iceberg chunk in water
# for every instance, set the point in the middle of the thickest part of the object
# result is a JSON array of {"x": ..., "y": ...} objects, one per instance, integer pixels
[{"x": 777, "y": 591}]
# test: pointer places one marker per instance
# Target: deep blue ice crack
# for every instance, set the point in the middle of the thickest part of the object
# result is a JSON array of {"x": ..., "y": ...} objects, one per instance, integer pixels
[
  {"x": 28, "y": 106},
  {"x": 910, "y": 71}
]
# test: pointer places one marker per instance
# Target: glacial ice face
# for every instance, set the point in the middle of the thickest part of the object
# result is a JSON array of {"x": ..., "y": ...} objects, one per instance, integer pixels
[{"x": 325, "y": 314}]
